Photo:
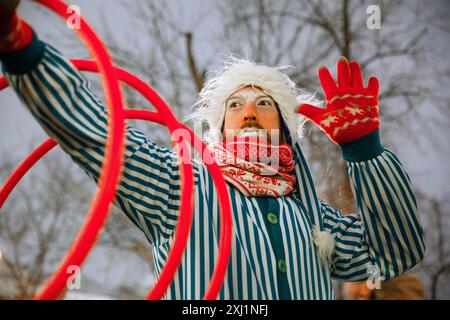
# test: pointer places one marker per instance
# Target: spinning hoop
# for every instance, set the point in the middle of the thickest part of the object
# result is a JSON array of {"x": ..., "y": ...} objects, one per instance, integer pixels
[{"x": 112, "y": 166}]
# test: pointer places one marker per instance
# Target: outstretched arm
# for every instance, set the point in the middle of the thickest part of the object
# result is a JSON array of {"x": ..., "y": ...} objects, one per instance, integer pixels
[
  {"x": 387, "y": 233},
  {"x": 60, "y": 99}
]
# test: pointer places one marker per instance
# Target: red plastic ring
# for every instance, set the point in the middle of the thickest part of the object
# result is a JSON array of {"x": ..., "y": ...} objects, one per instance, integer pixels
[
  {"x": 181, "y": 233},
  {"x": 111, "y": 168}
]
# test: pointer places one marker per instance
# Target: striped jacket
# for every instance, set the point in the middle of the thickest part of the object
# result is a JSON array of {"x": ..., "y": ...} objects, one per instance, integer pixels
[{"x": 273, "y": 256}]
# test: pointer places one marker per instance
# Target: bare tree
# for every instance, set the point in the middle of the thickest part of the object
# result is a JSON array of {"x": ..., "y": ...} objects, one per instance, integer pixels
[
  {"x": 436, "y": 265},
  {"x": 40, "y": 220},
  {"x": 33, "y": 223}
]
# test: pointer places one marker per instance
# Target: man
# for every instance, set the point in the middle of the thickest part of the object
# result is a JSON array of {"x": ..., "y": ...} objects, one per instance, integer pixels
[{"x": 286, "y": 243}]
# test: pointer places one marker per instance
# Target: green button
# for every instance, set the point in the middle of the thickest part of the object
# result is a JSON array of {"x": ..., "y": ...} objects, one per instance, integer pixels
[
  {"x": 272, "y": 218},
  {"x": 282, "y": 266}
]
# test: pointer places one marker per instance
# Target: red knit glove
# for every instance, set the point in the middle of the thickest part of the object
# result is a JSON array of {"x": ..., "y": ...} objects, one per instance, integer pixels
[
  {"x": 15, "y": 34},
  {"x": 351, "y": 109}
]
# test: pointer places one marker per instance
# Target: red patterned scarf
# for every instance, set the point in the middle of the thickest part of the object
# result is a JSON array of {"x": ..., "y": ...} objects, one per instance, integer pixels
[{"x": 256, "y": 168}]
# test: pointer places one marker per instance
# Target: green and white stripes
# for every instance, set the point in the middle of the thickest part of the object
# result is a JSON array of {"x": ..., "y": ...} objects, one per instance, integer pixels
[{"x": 271, "y": 258}]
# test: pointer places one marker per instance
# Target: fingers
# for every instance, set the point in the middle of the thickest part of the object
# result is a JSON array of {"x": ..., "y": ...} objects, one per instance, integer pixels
[
  {"x": 373, "y": 85},
  {"x": 311, "y": 112},
  {"x": 349, "y": 75},
  {"x": 356, "y": 75},
  {"x": 326, "y": 80},
  {"x": 343, "y": 73}
]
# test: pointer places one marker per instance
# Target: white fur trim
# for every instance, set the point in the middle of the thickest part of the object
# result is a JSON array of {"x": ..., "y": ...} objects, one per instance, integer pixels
[
  {"x": 325, "y": 244},
  {"x": 237, "y": 73}
]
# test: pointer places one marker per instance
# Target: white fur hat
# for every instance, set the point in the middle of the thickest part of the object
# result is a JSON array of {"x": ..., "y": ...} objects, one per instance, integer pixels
[{"x": 237, "y": 73}]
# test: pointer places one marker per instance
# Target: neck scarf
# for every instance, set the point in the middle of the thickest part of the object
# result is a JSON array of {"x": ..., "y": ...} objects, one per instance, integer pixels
[{"x": 255, "y": 167}]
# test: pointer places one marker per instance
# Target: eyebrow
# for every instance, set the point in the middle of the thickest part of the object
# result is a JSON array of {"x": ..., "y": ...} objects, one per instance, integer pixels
[{"x": 241, "y": 97}]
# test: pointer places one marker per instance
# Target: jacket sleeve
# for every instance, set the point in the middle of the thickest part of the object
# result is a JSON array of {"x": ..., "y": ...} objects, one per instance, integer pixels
[
  {"x": 386, "y": 238},
  {"x": 60, "y": 99}
]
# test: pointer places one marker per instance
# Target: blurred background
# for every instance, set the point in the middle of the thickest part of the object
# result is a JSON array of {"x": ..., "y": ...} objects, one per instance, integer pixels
[{"x": 171, "y": 45}]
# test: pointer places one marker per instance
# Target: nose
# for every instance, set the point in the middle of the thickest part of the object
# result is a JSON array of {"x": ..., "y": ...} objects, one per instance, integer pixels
[{"x": 249, "y": 112}]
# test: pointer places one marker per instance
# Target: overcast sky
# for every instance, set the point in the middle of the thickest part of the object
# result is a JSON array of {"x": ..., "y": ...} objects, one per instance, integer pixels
[{"x": 17, "y": 125}]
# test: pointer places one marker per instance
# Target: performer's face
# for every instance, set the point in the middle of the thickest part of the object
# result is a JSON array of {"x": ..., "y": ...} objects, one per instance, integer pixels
[{"x": 249, "y": 112}]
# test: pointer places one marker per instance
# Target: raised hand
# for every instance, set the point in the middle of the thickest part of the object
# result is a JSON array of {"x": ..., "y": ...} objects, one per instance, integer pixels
[
  {"x": 15, "y": 34},
  {"x": 351, "y": 110}
]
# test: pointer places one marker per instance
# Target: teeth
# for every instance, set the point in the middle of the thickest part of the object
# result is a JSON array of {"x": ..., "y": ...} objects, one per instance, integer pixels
[{"x": 250, "y": 132}]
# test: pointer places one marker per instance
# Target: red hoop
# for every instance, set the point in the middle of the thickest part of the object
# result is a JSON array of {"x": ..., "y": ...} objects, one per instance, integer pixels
[
  {"x": 111, "y": 168},
  {"x": 54, "y": 288},
  {"x": 225, "y": 219}
]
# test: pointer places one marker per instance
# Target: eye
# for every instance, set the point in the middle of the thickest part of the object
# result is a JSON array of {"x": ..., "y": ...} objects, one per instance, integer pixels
[
  {"x": 233, "y": 104},
  {"x": 265, "y": 103}
]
